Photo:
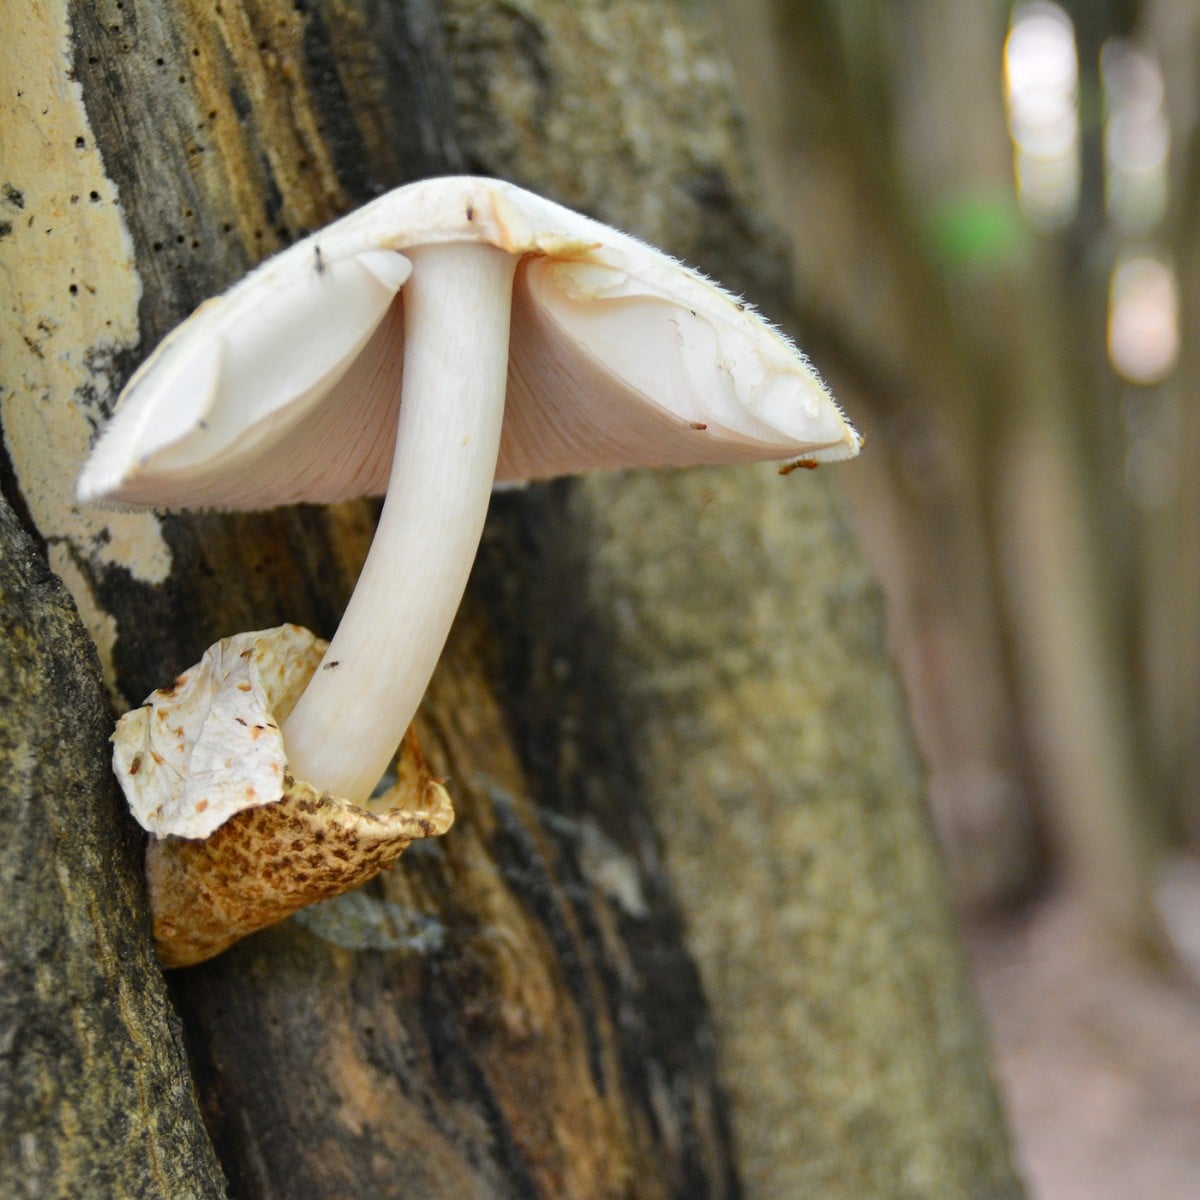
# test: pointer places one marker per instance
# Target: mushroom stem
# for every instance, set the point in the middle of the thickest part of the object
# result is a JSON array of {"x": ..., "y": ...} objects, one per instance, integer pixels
[{"x": 344, "y": 730}]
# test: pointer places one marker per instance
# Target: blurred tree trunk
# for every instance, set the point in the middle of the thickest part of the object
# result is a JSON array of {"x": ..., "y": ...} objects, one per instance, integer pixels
[
  {"x": 978, "y": 360},
  {"x": 95, "y": 1096},
  {"x": 835, "y": 108},
  {"x": 1171, "y": 632},
  {"x": 661, "y": 789}
]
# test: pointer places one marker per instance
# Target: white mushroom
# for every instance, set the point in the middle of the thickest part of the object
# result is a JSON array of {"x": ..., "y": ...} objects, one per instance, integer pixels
[{"x": 453, "y": 333}]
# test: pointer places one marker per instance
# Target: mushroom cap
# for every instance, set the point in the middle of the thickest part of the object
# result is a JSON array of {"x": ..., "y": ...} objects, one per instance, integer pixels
[
  {"x": 209, "y": 746},
  {"x": 286, "y": 387}
]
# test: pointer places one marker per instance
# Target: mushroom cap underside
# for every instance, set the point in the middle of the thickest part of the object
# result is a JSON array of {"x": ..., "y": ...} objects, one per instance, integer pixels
[{"x": 286, "y": 388}]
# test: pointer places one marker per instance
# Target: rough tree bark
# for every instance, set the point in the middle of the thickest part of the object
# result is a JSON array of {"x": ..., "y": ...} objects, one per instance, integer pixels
[
  {"x": 516, "y": 1010},
  {"x": 87, "y": 1034}
]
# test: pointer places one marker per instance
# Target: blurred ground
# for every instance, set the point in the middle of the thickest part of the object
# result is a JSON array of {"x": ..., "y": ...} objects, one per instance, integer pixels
[{"x": 1098, "y": 1056}]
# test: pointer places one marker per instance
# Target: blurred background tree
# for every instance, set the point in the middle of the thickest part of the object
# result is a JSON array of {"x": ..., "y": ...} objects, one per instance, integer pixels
[{"x": 992, "y": 219}]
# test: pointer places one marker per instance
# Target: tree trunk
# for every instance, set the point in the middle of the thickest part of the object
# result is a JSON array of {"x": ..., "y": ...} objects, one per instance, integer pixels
[
  {"x": 95, "y": 1097},
  {"x": 625, "y": 715}
]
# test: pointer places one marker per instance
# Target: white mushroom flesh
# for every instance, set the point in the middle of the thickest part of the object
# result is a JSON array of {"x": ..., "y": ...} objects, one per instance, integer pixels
[
  {"x": 376, "y": 357},
  {"x": 344, "y": 730}
]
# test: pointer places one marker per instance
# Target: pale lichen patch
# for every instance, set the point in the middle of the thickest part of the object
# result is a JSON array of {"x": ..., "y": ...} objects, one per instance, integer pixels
[{"x": 70, "y": 304}]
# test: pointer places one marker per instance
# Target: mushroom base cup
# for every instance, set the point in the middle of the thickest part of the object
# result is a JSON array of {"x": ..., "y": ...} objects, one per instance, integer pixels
[{"x": 268, "y": 862}]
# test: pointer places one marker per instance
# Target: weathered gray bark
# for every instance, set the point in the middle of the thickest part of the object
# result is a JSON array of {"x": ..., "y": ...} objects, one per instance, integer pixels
[
  {"x": 95, "y": 1095},
  {"x": 784, "y": 784},
  {"x": 992, "y": 515},
  {"x": 515, "y": 1011}
]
